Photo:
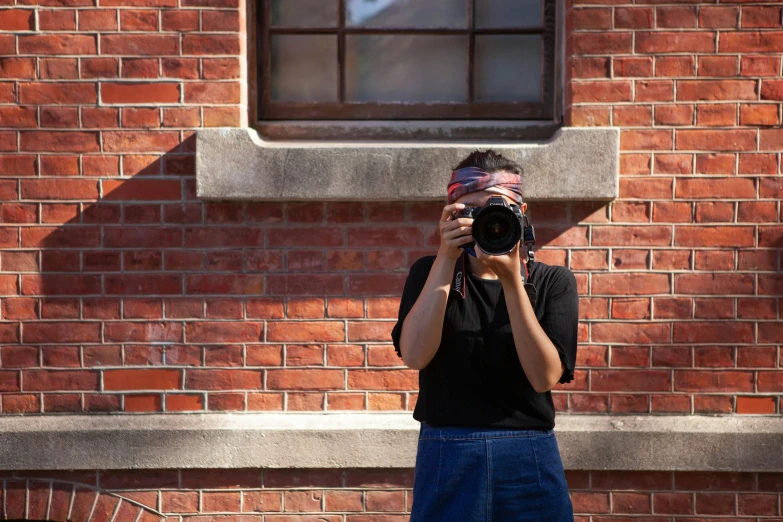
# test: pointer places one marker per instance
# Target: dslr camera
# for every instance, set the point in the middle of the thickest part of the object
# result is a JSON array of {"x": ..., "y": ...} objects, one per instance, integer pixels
[{"x": 497, "y": 226}]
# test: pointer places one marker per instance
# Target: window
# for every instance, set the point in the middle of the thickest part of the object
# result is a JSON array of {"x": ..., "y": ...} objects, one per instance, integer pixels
[{"x": 405, "y": 60}]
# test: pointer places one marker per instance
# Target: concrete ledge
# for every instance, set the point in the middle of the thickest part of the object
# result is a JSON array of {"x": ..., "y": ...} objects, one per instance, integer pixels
[
  {"x": 237, "y": 164},
  {"x": 370, "y": 440}
]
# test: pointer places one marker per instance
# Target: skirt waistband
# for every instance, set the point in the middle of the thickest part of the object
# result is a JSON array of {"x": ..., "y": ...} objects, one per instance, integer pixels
[{"x": 468, "y": 432}]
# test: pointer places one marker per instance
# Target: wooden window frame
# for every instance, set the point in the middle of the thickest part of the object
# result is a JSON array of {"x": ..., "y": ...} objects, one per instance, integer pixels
[{"x": 281, "y": 120}]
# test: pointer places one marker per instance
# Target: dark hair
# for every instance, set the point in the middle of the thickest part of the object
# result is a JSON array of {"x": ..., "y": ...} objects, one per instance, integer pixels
[{"x": 490, "y": 161}]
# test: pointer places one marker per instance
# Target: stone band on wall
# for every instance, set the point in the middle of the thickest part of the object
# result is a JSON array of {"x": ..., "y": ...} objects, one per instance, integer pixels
[
  {"x": 578, "y": 164},
  {"x": 371, "y": 440}
]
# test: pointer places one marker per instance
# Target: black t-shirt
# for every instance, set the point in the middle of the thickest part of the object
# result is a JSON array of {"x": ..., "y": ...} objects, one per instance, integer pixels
[{"x": 475, "y": 377}]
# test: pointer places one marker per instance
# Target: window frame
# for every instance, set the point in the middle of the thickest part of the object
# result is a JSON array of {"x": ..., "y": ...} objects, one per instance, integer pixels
[{"x": 370, "y": 120}]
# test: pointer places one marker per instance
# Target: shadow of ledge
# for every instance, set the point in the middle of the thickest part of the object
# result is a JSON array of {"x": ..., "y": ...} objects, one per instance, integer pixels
[
  {"x": 576, "y": 164},
  {"x": 371, "y": 440}
]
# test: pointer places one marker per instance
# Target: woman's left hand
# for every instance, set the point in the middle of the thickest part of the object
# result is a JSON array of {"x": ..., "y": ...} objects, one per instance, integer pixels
[{"x": 506, "y": 266}]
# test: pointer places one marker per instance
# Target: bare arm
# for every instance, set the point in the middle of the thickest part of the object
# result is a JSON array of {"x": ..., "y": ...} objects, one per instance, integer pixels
[{"x": 423, "y": 326}]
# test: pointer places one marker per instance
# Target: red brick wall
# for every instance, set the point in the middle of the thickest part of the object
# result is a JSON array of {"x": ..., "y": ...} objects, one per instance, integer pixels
[
  {"x": 122, "y": 292},
  {"x": 683, "y": 270}
]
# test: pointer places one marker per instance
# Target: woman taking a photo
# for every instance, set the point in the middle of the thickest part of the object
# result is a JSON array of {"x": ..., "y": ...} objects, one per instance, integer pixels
[{"x": 487, "y": 360}]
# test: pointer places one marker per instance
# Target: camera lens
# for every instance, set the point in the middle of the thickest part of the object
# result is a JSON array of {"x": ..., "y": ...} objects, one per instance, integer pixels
[{"x": 497, "y": 229}]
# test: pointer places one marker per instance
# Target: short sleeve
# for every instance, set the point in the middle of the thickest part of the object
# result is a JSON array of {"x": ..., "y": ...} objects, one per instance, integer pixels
[
  {"x": 561, "y": 319},
  {"x": 417, "y": 277}
]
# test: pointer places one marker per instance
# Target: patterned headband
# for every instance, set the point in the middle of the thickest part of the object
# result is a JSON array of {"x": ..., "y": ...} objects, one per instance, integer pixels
[{"x": 472, "y": 179}]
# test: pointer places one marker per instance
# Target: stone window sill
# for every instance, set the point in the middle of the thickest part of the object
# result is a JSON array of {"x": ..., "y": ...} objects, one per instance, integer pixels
[
  {"x": 575, "y": 163},
  {"x": 370, "y": 440}
]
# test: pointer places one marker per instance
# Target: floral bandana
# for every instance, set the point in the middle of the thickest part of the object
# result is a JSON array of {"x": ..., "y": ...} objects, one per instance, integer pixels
[{"x": 472, "y": 179}]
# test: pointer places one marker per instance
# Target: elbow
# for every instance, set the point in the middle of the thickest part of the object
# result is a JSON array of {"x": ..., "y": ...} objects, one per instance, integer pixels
[{"x": 412, "y": 364}]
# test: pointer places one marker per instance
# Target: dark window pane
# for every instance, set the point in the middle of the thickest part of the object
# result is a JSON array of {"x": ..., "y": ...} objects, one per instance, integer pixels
[
  {"x": 407, "y": 13},
  {"x": 406, "y": 68},
  {"x": 507, "y": 68},
  {"x": 509, "y": 13},
  {"x": 304, "y": 68},
  {"x": 304, "y": 13}
]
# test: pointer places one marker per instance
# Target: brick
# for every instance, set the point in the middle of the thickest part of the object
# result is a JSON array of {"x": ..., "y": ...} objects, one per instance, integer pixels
[
  {"x": 17, "y": 20},
  {"x": 60, "y": 117},
  {"x": 715, "y": 140},
  {"x": 602, "y": 43},
  {"x": 772, "y": 90},
  {"x": 57, "y": 44},
  {"x": 770, "y": 139},
  {"x": 675, "y": 42},
  {"x": 713, "y": 236},
  {"x": 140, "y": 93},
  {"x": 673, "y": 163},
  {"x": 140, "y": 141},
  {"x": 759, "y": 65},
  {"x": 646, "y": 140},
  {"x": 601, "y": 91},
  {"x": 632, "y": 116},
  {"x": 676, "y": 17},
  {"x": 100, "y": 67},
  {"x": 57, "y": 93},
  {"x": 139, "y": 3},
  {"x": 720, "y": 381},
  {"x": 674, "y": 114},
  {"x": 138, "y": 20},
  {"x": 756, "y": 405},
  {"x": 146, "y": 379},
  {"x": 715, "y": 164},
  {"x": 759, "y": 114},
  {"x": 753, "y": 42},
  {"x": 182, "y": 21},
  {"x": 633, "y": 18},
  {"x": 140, "y": 68},
  {"x": 19, "y": 68},
  {"x": 761, "y": 17},
  {"x": 630, "y": 380},
  {"x": 220, "y": 68},
  {"x": 18, "y": 117},
  {"x": 223, "y": 117},
  {"x": 715, "y": 188},
  {"x": 141, "y": 118},
  {"x": 62, "y": 141},
  {"x": 715, "y": 90},
  {"x": 229, "y": 20},
  {"x": 208, "y": 92},
  {"x": 623, "y": 283},
  {"x": 182, "y": 117},
  {"x": 61, "y": 332},
  {"x": 721, "y": 66},
  {"x": 675, "y": 66},
  {"x": 97, "y": 20},
  {"x": 142, "y": 190},
  {"x": 718, "y": 17},
  {"x": 210, "y": 44},
  {"x": 139, "y": 44},
  {"x": 184, "y": 68},
  {"x": 633, "y": 66},
  {"x": 654, "y": 90},
  {"x": 57, "y": 20},
  {"x": 716, "y": 115},
  {"x": 58, "y": 69}
]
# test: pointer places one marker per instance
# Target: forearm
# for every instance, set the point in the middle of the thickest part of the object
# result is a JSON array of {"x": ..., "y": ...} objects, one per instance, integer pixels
[
  {"x": 423, "y": 326},
  {"x": 538, "y": 356}
]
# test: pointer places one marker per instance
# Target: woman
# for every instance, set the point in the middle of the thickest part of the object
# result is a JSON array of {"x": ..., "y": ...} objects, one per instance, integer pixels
[{"x": 487, "y": 360}]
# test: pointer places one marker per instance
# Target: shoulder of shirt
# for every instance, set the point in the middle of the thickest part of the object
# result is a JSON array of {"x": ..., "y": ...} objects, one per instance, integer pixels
[
  {"x": 555, "y": 274},
  {"x": 423, "y": 264}
]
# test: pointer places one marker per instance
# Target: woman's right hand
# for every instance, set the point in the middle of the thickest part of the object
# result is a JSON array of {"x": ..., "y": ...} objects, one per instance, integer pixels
[{"x": 454, "y": 232}]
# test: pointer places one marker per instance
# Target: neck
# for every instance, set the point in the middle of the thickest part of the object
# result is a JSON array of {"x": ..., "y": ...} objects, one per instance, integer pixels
[{"x": 479, "y": 270}]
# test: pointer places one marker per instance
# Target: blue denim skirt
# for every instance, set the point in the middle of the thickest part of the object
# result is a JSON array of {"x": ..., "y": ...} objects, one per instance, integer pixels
[{"x": 471, "y": 474}]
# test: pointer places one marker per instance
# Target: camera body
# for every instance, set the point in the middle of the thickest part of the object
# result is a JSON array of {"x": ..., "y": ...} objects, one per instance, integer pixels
[{"x": 497, "y": 226}]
